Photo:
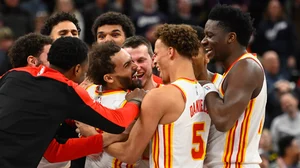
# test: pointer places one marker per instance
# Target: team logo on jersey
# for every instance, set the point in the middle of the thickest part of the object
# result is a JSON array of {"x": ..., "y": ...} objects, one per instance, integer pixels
[{"x": 207, "y": 87}]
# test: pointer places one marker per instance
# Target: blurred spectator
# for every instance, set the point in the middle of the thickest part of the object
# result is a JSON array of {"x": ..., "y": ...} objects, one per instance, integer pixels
[
  {"x": 275, "y": 32},
  {"x": 289, "y": 122},
  {"x": 266, "y": 148},
  {"x": 6, "y": 41},
  {"x": 149, "y": 17},
  {"x": 184, "y": 13},
  {"x": 17, "y": 19},
  {"x": 34, "y": 6},
  {"x": 40, "y": 20},
  {"x": 288, "y": 152},
  {"x": 277, "y": 83},
  {"x": 69, "y": 7},
  {"x": 90, "y": 12}
]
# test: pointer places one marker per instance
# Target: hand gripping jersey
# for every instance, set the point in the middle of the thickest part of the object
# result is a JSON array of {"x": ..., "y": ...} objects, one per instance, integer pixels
[
  {"x": 239, "y": 146},
  {"x": 183, "y": 142},
  {"x": 113, "y": 99}
]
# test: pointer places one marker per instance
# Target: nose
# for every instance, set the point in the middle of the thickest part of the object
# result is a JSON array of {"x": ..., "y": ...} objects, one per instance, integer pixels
[
  {"x": 204, "y": 41},
  {"x": 134, "y": 66},
  {"x": 108, "y": 38},
  {"x": 69, "y": 34}
]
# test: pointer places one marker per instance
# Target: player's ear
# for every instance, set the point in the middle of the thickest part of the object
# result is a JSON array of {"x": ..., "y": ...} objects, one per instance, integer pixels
[
  {"x": 171, "y": 52},
  {"x": 231, "y": 37},
  {"x": 31, "y": 61},
  {"x": 108, "y": 78},
  {"x": 77, "y": 69}
]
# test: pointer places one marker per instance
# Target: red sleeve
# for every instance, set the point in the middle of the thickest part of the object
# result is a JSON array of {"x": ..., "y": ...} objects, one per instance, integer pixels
[
  {"x": 157, "y": 79},
  {"x": 83, "y": 108},
  {"x": 74, "y": 148},
  {"x": 122, "y": 117}
]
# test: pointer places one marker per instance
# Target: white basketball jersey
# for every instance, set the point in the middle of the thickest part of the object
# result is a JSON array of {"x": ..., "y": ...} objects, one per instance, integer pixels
[
  {"x": 183, "y": 142},
  {"x": 239, "y": 146},
  {"x": 112, "y": 99}
]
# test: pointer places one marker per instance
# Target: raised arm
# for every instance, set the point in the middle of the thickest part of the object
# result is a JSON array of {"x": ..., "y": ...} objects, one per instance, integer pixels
[
  {"x": 88, "y": 111},
  {"x": 243, "y": 83},
  {"x": 151, "y": 112}
]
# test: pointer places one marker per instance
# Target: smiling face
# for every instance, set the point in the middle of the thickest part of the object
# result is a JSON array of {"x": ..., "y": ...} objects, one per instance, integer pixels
[
  {"x": 162, "y": 60},
  {"x": 215, "y": 42},
  {"x": 124, "y": 70},
  {"x": 142, "y": 59}
]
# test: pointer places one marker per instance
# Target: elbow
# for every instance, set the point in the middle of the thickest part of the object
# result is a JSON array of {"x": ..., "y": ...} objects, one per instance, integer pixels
[
  {"x": 223, "y": 125},
  {"x": 130, "y": 160}
]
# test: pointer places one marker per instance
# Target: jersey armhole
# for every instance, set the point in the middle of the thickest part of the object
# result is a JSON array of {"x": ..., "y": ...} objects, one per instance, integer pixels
[{"x": 181, "y": 91}]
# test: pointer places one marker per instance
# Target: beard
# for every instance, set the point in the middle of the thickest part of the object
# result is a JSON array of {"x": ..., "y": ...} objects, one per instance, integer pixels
[{"x": 128, "y": 83}]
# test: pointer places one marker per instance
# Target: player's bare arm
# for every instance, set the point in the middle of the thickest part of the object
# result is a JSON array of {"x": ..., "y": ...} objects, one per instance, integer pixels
[
  {"x": 154, "y": 110},
  {"x": 242, "y": 84}
]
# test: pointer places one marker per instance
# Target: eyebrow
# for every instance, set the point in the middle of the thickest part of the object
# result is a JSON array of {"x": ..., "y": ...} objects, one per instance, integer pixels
[
  {"x": 115, "y": 30},
  {"x": 63, "y": 30}
]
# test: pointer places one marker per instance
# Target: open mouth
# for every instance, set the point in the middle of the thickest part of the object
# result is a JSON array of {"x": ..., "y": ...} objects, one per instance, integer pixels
[{"x": 137, "y": 75}]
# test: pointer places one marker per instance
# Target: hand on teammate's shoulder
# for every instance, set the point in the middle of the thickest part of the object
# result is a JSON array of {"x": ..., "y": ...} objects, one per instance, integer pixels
[{"x": 137, "y": 95}]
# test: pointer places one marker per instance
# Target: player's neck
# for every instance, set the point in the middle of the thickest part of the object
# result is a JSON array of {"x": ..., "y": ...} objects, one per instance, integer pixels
[
  {"x": 234, "y": 55},
  {"x": 181, "y": 69},
  {"x": 150, "y": 84},
  {"x": 110, "y": 87}
]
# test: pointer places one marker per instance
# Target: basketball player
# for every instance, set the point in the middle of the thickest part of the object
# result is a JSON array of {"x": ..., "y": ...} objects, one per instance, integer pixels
[
  {"x": 38, "y": 115},
  {"x": 113, "y": 26},
  {"x": 237, "y": 116},
  {"x": 61, "y": 24},
  {"x": 30, "y": 50},
  {"x": 141, "y": 52},
  {"x": 173, "y": 116},
  {"x": 111, "y": 70}
]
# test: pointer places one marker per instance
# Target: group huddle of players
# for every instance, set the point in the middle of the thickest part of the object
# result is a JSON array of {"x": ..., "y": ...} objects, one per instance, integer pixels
[{"x": 124, "y": 115}]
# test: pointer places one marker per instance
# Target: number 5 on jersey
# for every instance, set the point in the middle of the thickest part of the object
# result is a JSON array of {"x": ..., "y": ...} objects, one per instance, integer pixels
[{"x": 198, "y": 149}]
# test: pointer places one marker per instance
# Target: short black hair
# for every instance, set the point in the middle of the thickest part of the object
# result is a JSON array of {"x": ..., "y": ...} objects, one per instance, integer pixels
[
  {"x": 67, "y": 52},
  {"x": 284, "y": 143},
  {"x": 136, "y": 41},
  {"x": 56, "y": 19},
  {"x": 114, "y": 18},
  {"x": 100, "y": 61},
  {"x": 200, "y": 32},
  {"x": 30, "y": 44},
  {"x": 233, "y": 20}
]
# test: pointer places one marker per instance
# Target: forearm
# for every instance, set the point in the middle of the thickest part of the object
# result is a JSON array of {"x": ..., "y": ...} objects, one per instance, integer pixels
[
  {"x": 122, "y": 152},
  {"x": 218, "y": 112},
  {"x": 74, "y": 148}
]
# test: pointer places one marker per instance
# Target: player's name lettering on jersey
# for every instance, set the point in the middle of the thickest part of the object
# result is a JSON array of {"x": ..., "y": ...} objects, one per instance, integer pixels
[{"x": 198, "y": 107}]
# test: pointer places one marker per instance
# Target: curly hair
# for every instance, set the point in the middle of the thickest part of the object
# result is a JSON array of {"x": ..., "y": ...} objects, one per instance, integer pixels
[
  {"x": 233, "y": 20},
  {"x": 56, "y": 19},
  {"x": 136, "y": 41},
  {"x": 181, "y": 37},
  {"x": 67, "y": 52},
  {"x": 114, "y": 18},
  {"x": 100, "y": 61},
  {"x": 30, "y": 44}
]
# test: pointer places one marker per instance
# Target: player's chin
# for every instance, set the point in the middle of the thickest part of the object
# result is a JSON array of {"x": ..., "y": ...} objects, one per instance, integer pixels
[{"x": 136, "y": 83}]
